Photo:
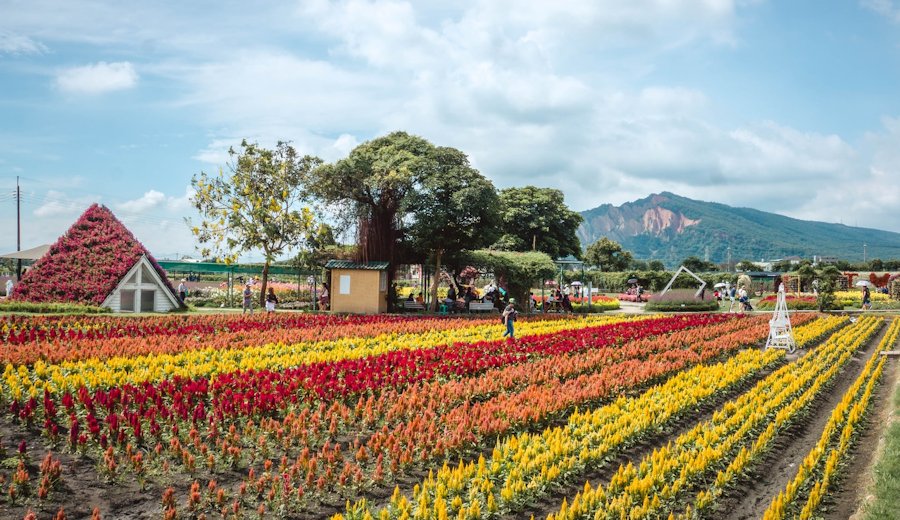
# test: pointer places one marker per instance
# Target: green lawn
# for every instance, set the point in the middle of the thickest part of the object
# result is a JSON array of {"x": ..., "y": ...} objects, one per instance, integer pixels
[{"x": 886, "y": 505}]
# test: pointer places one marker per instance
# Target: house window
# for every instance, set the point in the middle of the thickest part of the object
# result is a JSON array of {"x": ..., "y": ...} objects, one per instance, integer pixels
[
  {"x": 126, "y": 300},
  {"x": 382, "y": 285},
  {"x": 345, "y": 284},
  {"x": 148, "y": 296},
  {"x": 146, "y": 277}
]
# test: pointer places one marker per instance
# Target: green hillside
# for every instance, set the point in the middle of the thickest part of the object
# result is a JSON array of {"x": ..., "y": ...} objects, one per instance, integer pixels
[{"x": 670, "y": 228}]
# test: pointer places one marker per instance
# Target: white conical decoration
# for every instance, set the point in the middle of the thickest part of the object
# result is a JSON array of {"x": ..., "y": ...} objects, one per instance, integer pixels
[{"x": 781, "y": 335}]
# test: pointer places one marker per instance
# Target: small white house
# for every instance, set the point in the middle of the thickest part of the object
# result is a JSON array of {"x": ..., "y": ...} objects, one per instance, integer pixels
[{"x": 142, "y": 290}]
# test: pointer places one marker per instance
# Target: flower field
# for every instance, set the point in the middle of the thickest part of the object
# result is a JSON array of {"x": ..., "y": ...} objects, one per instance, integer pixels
[{"x": 396, "y": 417}]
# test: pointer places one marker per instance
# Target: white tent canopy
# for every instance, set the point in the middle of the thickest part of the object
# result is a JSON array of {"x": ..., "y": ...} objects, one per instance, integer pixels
[{"x": 28, "y": 254}]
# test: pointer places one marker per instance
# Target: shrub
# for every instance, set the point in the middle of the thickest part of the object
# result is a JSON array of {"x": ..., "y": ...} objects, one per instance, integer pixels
[
  {"x": 681, "y": 301},
  {"x": 682, "y": 306}
]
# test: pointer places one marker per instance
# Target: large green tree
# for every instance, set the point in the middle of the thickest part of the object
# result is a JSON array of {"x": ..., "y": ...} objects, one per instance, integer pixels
[
  {"x": 257, "y": 205},
  {"x": 369, "y": 189},
  {"x": 537, "y": 219},
  {"x": 608, "y": 255},
  {"x": 697, "y": 265},
  {"x": 453, "y": 208}
]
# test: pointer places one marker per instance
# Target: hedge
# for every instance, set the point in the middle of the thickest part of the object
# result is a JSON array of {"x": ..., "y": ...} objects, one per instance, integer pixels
[
  {"x": 50, "y": 307},
  {"x": 682, "y": 306}
]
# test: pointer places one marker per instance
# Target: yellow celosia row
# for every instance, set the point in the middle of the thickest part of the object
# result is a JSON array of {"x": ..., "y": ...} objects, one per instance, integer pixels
[
  {"x": 649, "y": 489},
  {"x": 837, "y": 434},
  {"x": 524, "y": 465},
  {"x": 814, "y": 330},
  {"x": 31, "y": 381}
]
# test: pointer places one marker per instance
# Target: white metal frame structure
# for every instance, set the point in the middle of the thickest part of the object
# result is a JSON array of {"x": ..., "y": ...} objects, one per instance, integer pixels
[
  {"x": 688, "y": 271},
  {"x": 781, "y": 335}
]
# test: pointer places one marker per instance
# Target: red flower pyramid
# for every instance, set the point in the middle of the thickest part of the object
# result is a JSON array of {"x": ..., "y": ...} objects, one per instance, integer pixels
[{"x": 87, "y": 263}]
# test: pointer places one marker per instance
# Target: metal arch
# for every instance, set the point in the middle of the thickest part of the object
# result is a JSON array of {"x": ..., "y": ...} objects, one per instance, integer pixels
[{"x": 688, "y": 271}]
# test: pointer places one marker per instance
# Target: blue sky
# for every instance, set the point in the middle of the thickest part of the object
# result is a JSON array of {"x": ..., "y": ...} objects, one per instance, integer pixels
[{"x": 789, "y": 107}]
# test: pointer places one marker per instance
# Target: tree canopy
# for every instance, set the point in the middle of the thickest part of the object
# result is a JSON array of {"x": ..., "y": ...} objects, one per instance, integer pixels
[
  {"x": 369, "y": 189},
  {"x": 538, "y": 219},
  {"x": 519, "y": 271},
  {"x": 256, "y": 205},
  {"x": 608, "y": 255},
  {"x": 696, "y": 265},
  {"x": 453, "y": 208},
  {"x": 747, "y": 265}
]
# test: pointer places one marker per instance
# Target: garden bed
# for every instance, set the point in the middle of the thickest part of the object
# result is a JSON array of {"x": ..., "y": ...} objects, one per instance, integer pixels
[{"x": 297, "y": 414}]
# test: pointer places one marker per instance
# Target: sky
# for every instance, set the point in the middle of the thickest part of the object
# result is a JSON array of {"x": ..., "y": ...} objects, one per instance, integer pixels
[{"x": 790, "y": 107}]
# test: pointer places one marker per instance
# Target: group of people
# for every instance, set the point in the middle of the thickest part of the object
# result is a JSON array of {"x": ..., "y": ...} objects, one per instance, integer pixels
[
  {"x": 459, "y": 301},
  {"x": 247, "y": 293},
  {"x": 559, "y": 300}
]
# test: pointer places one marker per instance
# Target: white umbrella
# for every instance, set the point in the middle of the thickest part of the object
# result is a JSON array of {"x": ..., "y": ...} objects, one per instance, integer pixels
[
  {"x": 863, "y": 283},
  {"x": 720, "y": 285},
  {"x": 575, "y": 283}
]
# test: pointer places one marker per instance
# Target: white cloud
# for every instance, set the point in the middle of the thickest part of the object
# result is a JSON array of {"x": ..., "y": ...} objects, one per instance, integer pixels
[
  {"x": 56, "y": 204},
  {"x": 97, "y": 78},
  {"x": 887, "y": 8},
  {"x": 18, "y": 44},
  {"x": 149, "y": 200}
]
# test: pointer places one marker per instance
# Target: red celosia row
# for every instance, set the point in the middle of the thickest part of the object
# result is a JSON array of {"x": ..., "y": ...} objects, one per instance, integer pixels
[{"x": 239, "y": 392}]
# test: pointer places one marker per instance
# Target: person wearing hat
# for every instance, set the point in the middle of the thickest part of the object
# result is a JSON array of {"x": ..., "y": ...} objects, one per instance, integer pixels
[
  {"x": 248, "y": 299},
  {"x": 182, "y": 291},
  {"x": 509, "y": 318}
]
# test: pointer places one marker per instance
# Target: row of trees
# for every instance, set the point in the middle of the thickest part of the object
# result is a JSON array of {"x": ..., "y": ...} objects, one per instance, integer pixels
[{"x": 407, "y": 200}]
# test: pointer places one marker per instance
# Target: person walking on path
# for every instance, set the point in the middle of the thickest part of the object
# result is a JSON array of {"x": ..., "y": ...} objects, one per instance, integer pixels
[
  {"x": 248, "y": 299},
  {"x": 509, "y": 318},
  {"x": 866, "y": 299},
  {"x": 271, "y": 300},
  {"x": 731, "y": 292},
  {"x": 182, "y": 291}
]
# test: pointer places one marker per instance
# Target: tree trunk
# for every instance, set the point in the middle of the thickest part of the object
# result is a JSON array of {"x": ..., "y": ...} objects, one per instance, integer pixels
[
  {"x": 265, "y": 282},
  {"x": 437, "y": 279}
]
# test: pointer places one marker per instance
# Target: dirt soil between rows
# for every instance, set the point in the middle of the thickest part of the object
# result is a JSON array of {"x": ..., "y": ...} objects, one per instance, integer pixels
[{"x": 750, "y": 499}]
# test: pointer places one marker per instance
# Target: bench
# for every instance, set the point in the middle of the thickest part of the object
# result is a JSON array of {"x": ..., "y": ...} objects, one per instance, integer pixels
[
  {"x": 413, "y": 306},
  {"x": 481, "y": 306}
]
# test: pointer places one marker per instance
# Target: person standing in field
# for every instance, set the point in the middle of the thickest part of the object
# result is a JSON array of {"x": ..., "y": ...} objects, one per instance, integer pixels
[
  {"x": 248, "y": 299},
  {"x": 271, "y": 300},
  {"x": 866, "y": 298},
  {"x": 182, "y": 291},
  {"x": 509, "y": 318}
]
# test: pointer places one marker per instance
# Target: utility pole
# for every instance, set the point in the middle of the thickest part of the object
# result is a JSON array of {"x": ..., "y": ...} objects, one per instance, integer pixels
[
  {"x": 18, "y": 229},
  {"x": 729, "y": 259}
]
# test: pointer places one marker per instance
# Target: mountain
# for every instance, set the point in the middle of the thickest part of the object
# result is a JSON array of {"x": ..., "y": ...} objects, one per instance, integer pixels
[{"x": 670, "y": 228}]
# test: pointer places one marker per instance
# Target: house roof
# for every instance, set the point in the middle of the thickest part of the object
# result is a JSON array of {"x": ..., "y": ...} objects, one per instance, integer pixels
[
  {"x": 366, "y": 266},
  {"x": 28, "y": 254},
  {"x": 158, "y": 279},
  {"x": 86, "y": 263}
]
